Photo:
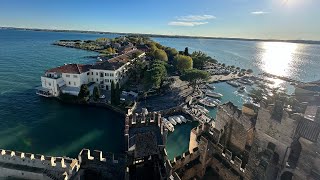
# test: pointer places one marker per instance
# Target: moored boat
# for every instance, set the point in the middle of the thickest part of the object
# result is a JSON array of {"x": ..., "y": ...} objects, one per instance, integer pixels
[
  {"x": 202, "y": 108},
  {"x": 205, "y": 101},
  {"x": 210, "y": 86},
  {"x": 183, "y": 119},
  {"x": 241, "y": 89},
  {"x": 177, "y": 119},
  {"x": 168, "y": 125},
  {"x": 213, "y": 94},
  {"x": 172, "y": 121},
  {"x": 233, "y": 83}
]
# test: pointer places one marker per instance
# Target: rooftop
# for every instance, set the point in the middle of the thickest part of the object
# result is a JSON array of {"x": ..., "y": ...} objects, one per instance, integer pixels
[
  {"x": 71, "y": 68},
  {"x": 116, "y": 62}
]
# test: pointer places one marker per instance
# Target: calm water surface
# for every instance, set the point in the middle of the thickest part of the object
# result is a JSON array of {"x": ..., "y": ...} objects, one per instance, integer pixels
[{"x": 34, "y": 124}]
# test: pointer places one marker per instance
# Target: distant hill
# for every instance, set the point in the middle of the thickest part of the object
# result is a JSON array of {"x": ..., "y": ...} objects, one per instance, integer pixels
[{"x": 166, "y": 36}]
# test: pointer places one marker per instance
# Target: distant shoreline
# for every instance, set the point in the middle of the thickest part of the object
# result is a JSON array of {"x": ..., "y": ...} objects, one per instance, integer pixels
[{"x": 165, "y": 36}]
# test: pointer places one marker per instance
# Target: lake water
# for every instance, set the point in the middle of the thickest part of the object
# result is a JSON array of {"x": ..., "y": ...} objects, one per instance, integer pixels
[{"x": 33, "y": 124}]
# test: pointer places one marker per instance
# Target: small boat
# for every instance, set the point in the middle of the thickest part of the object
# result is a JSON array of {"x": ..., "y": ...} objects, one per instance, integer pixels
[
  {"x": 172, "y": 121},
  {"x": 210, "y": 86},
  {"x": 177, "y": 119},
  {"x": 168, "y": 125},
  {"x": 205, "y": 101},
  {"x": 202, "y": 108},
  {"x": 183, "y": 119},
  {"x": 233, "y": 83},
  {"x": 241, "y": 89},
  {"x": 245, "y": 81},
  {"x": 213, "y": 94}
]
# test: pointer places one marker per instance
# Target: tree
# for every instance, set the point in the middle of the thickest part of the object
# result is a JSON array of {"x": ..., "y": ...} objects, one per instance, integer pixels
[
  {"x": 194, "y": 75},
  {"x": 96, "y": 93},
  {"x": 199, "y": 59},
  {"x": 109, "y": 50},
  {"x": 84, "y": 92},
  {"x": 186, "y": 51},
  {"x": 256, "y": 95},
  {"x": 160, "y": 54},
  {"x": 249, "y": 71},
  {"x": 183, "y": 62},
  {"x": 156, "y": 74},
  {"x": 112, "y": 92},
  {"x": 171, "y": 53},
  {"x": 117, "y": 94},
  {"x": 102, "y": 40}
]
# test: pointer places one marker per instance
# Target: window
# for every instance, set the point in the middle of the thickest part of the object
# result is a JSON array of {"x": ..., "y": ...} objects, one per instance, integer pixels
[
  {"x": 97, "y": 73},
  {"x": 105, "y": 74},
  {"x": 67, "y": 75},
  {"x": 92, "y": 79},
  {"x": 97, "y": 80},
  {"x": 75, "y": 83},
  {"x": 111, "y": 74},
  {"x": 91, "y": 73},
  {"x": 69, "y": 83},
  {"x": 88, "y": 73},
  {"x": 49, "y": 84},
  {"x": 75, "y": 76}
]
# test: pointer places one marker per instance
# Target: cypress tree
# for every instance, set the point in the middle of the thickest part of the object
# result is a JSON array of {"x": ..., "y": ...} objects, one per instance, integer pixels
[
  {"x": 112, "y": 93},
  {"x": 96, "y": 93},
  {"x": 117, "y": 94}
]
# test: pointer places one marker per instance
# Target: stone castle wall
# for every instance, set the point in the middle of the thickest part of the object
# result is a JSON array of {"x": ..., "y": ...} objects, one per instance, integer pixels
[
  {"x": 42, "y": 165},
  {"x": 237, "y": 126}
]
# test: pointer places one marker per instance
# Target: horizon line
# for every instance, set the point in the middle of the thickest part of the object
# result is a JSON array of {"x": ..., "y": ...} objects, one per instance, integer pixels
[{"x": 164, "y": 35}]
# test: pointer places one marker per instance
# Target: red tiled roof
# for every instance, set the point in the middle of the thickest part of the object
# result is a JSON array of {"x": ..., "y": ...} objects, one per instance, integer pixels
[
  {"x": 116, "y": 62},
  {"x": 71, "y": 68}
]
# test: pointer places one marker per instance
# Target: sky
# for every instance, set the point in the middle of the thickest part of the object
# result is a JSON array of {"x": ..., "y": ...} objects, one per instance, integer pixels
[{"x": 264, "y": 19}]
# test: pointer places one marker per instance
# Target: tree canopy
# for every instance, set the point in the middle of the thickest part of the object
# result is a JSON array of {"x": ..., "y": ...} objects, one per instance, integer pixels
[
  {"x": 193, "y": 75},
  {"x": 171, "y": 53},
  {"x": 160, "y": 54},
  {"x": 199, "y": 59},
  {"x": 183, "y": 62},
  {"x": 102, "y": 39},
  {"x": 96, "y": 93},
  {"x": 84, "y": 91},
  {"x": 186, "y": 51},
  {"x": 156, "y": 74}
]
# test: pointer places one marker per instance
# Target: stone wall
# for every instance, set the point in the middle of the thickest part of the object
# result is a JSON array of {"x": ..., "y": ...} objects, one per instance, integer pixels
[
  {"x": 309, "y": 160},
  {"x": 42, "y": 165},
  {"x": 236, "y": 126}
]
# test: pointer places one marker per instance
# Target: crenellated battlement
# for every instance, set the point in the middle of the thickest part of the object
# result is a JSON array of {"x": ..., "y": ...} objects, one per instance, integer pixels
[
  {"x": 229, "y": 113},
  {"x": 52, "y": 166},
  {"x": 227, "y": 155},
  {"x": 187, "y": 157},
  {"x": 142, "y": 119},
  {"x": 38, "y": 160},
  {"x": 86, "y": 155}
]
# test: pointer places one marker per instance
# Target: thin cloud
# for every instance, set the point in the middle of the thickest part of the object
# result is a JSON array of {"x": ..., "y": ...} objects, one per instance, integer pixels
[
  {"x": 186, "y": 23},
  {"x": 195, "y": 18},
  {"x": 259, "y": 12}
]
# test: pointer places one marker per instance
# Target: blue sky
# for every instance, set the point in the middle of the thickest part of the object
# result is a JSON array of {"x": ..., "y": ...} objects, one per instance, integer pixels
[{"x": 279, "y": 19}]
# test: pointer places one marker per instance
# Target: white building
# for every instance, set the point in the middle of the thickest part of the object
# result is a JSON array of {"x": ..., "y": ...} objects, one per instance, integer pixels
[
  {"x": 66, "y": 79},
  {"x": 114, "y": 69},
  {"x": 69, "y": 78}
]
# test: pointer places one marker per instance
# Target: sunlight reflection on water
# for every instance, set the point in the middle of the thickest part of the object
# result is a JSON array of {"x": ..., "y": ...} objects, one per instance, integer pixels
[{"x": 278, "y": 58}]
